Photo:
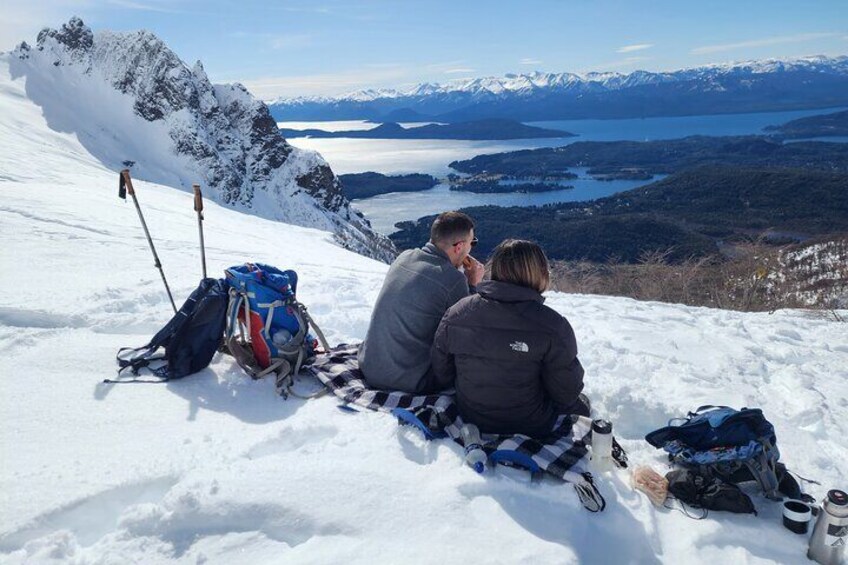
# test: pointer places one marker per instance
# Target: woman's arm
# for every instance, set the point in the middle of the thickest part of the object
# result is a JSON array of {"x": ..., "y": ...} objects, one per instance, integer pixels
[
  {"x": 441, "y": 359},
  {"x": 562, "y": 373}
]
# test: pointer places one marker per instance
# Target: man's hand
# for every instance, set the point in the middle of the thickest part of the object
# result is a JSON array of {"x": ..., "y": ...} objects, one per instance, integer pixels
[{"x": 473, "y": 270}]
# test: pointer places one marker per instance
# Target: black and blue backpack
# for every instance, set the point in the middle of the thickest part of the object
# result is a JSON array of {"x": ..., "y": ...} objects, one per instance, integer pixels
[
  {"x": 186, "y": 344},
  {"x": 734, "y": 445}
]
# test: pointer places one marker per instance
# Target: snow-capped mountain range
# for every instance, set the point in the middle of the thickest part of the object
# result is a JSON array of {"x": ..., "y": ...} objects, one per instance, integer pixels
[
  {"x": 721, "y": 88},
  {"x": 131, "y": 101}
]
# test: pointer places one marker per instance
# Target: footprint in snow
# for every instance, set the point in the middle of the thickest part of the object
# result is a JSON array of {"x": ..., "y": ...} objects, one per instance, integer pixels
[
  {"x": 90, "y": 518},
  {"x": 289, "y": 440}
]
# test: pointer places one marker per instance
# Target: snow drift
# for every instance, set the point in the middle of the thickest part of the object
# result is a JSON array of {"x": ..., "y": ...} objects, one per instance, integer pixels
[{"x": 132, "y": 102}]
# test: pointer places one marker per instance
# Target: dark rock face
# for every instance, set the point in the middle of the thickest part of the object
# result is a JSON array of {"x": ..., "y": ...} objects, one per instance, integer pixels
[
  {"x": 322, "y": 184},
  {"x": 223, "y": 137},
  {"x": 74, "y": 35}
]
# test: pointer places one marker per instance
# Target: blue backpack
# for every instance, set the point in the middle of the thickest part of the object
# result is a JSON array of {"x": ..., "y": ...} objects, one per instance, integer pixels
[
  {"x": 267, "y": 328},
  {"x": 186, "y": 344},
  {"x": 724, "y": 441}
]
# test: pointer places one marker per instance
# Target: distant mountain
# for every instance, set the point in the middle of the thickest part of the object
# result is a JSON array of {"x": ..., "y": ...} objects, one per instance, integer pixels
[
  {"x": 473, "y": 130},
  {"x": 130, "y": 99},
  {"x": 757, "y": 86},
  {"x": 826, "y": 125}
]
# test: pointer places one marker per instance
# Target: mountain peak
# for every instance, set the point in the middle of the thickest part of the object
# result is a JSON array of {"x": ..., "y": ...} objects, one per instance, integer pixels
[
  {"x": 74, "y": 35},
  {"x": 129, "y": 97}
]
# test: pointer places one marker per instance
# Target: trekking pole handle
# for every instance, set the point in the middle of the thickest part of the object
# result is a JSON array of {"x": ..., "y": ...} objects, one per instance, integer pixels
[
  {"x": 126, "y": 182},
  {"x": 198, "y": 198}
]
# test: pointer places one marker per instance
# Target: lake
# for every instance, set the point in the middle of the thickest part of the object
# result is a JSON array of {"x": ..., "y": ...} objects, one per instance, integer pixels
[
  {"x": 385, "y": 210},
  {"x": 397, "y": 156}
]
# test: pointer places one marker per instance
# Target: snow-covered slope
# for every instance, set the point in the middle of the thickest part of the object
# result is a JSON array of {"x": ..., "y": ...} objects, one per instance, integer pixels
[
  {"x": 130, "y": 99},
  {"x": 214, "y": 468}
]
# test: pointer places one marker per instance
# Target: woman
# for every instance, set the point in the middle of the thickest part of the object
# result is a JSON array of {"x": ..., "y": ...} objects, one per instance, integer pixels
[{"x": 514, "y": 360}]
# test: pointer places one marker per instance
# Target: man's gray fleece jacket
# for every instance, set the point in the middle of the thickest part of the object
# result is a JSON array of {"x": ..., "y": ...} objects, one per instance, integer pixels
[{"x": 419, "y": 288}]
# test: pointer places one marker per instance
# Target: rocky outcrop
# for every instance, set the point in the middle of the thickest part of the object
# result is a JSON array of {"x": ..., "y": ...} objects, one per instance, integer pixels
[{"x": 128, "y": 97}]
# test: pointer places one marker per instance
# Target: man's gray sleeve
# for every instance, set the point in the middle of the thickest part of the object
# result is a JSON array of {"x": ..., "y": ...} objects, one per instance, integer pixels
[{"x": 457, "y": 293}]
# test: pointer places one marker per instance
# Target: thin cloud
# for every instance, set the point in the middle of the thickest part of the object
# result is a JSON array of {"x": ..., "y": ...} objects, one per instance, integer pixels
[
  {"x": 767, "y": 41},
  {"x": 277, "y": 40},
  {"x": 142, "y": 6},
  {"x": 620, "y": 64},
  {"x": 328, "y": 84},
  {"x": 632, "y": 48},
  {"x": 293, "y": 40},
  {"x": 530, "y": 61},
  {"x": 458, "y": 71},
  {"x": 307, "y": 10},
  {"x": 445, "y": 65}
]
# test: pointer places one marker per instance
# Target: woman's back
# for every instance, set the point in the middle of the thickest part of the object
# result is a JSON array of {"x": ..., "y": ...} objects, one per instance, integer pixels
[{"x": 514, "y": 359}]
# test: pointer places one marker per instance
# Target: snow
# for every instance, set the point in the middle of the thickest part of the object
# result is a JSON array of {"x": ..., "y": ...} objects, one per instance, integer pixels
[{"x": 214, "y": 468}]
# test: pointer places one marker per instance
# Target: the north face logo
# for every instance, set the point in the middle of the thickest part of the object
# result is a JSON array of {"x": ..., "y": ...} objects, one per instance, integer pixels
[{"x": 519, "y": 346}]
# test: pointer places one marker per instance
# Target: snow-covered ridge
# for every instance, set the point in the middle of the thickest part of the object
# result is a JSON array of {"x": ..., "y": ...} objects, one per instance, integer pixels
[
  {"x": 131, "y": 100},
  {"x": 529, "y": 83}
]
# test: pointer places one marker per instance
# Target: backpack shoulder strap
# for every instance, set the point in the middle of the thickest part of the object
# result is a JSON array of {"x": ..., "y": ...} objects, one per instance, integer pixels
[{"x": 135, "y": 359}]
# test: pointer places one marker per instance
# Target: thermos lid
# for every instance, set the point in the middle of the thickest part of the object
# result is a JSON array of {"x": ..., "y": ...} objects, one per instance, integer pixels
[
  {"x": 837, "y": 497},
  {"x": 605, "y": 427}
]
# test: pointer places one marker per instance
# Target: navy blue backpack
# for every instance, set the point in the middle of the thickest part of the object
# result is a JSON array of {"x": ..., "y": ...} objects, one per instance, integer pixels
[
  {"x": 732, "y": 444},
  {"x": 186, "y": 344}
]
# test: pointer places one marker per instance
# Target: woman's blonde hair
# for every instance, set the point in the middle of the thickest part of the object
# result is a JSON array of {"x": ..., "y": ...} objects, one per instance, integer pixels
[{"x": 521, "y": 262}]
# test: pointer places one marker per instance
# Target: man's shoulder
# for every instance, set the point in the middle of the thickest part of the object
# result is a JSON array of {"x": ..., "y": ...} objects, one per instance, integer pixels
[{"x": 429, "y": 265}]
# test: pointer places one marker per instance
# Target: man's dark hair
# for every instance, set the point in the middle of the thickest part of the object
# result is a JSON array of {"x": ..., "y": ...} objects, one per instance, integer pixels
[{"x": 450, "y": 227}]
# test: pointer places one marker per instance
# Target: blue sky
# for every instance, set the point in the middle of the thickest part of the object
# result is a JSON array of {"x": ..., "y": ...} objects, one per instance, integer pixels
[{"x": 294, "y": 47}]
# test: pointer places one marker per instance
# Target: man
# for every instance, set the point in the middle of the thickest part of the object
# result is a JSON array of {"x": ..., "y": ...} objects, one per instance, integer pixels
[{"x": 418, "y": 289}]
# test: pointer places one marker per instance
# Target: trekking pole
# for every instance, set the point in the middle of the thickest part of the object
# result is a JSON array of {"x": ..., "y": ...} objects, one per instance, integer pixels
[
  {"x": 198, "y": 207},
  {"x": 124, "y": 186}
]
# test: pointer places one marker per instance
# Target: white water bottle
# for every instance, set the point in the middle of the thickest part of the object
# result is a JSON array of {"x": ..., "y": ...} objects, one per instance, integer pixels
[
  {"x": 474, "y": 454},
  {"x": 602, "y": 445}
]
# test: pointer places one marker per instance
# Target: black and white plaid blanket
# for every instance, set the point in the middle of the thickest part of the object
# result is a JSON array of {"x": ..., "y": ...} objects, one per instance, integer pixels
[{"x": 564, "y": 454}]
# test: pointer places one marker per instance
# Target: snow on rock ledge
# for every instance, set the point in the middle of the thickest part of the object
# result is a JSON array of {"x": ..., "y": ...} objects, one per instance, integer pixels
[{"x": 131, "y": 101}]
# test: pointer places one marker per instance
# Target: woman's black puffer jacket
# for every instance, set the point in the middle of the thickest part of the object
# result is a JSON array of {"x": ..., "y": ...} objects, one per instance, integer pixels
[{"x": 514, "y": 360}]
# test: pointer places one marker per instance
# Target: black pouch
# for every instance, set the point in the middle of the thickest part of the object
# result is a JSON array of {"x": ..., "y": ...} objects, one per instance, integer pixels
[{"x": 703, "y": 491}]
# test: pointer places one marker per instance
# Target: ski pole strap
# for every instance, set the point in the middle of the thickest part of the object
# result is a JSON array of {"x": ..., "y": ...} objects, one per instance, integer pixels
[{"x": 681, "y": 507}]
